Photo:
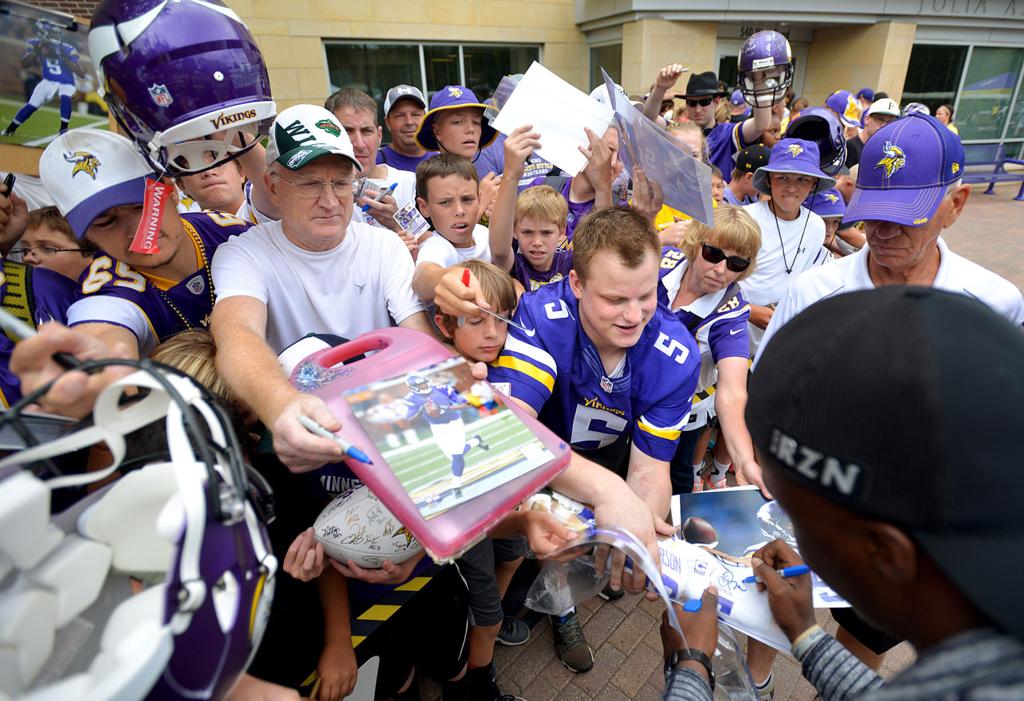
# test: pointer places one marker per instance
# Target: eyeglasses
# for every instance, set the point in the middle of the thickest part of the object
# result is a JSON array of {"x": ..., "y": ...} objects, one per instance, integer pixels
[
  {"x": 716, "y": 255},
  {"x": 703, "y": 102},
  {"x": 311, "y": 189},
  {"x": 43, "y": 250}
]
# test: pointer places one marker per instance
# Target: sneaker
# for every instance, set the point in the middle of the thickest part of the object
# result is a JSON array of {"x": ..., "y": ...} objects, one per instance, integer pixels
[
  {"x": 698, "y": 486},
  {"x": 572, "y": 647},
  {"x": 481, "y": 443},
  {"x": 513, "y": 631},
  {"x": 609, "y": 594},
  {"x": 480, "y": 684}
]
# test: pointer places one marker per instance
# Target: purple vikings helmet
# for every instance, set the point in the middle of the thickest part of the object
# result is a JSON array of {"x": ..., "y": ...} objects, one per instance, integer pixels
[
  {"x": 183, "y": 78},
  {"x": 418, "y": 384},
  {"x": 765, "y": 68},
  {"x": 821, "y": 126},
  {"x": 155, "y": 586}
]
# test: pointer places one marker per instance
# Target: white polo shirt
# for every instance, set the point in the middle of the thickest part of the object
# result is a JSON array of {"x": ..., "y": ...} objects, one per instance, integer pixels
[
  {"x": 849, "y": 274},
  {"x": 792, "y": 245},
  {"x": 363, "y": 283}
]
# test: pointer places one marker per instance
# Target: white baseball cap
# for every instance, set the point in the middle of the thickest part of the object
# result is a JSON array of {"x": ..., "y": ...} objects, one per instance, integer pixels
[
  {"x": 403, "y": 92},
  {"x": 886, "y": 105},
  {"x": 88, "y": 171},
  {"x": 303, "y": 133}
]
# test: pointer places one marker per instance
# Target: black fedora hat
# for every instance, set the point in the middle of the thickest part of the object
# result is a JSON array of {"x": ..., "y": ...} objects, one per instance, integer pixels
[{"x": 703, "y": 85}]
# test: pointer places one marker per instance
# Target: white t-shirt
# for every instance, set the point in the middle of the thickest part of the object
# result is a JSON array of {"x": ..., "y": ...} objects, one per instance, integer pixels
[
  {"x": 849, "y": 274},
  {"x": 439, "y": 250},
  {"x": 362, "y": 284},
  {"x": 791, "y": 247},
  {"x": 405, "y": 192}
]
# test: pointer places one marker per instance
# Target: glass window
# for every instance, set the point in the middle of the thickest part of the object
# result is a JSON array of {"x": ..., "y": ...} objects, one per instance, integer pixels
[
  {"x": 487, "y": 65},
  {"x": 1016, "y": 127},
  {"x": 607, "y": 57},
  {"x": 984, "y": 107},
  {"x": 442, "y": 64},
  {"x": 933, "y": 74},
  {"x": 373, "y": 68}
]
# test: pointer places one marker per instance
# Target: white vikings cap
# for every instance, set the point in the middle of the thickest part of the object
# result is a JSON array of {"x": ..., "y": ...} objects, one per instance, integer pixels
[
  {"x": 303, "y": 133},
  {"x": 88, "y": 171},
  {"x": 886, "y": 105},
  {"x": 600, "y": 93}
]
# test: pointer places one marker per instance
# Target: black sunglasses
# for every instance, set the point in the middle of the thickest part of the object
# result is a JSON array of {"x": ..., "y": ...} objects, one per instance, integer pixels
[
  {"x": 703, "y": 102},
  {"x": 715, "y": 256}
]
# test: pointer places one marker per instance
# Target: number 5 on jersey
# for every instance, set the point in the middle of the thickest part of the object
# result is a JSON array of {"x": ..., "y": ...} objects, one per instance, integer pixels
[{"x": 669, "y": 346}]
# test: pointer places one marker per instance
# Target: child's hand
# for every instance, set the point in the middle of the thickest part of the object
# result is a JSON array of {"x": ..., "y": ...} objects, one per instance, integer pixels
[
  {"x": 519, "y": 146},
  {"x": 599, "y": 160},
  {"x": 488, "y": 191},
  {"x": 389, "y": 573},
  {"x": 647, "y": 195},
  {"x": 305, "y": 557},
  {"x": 454, "y": 297},
  {"x": 338, "y": 672},
  {"x": 544, "y": 533}
]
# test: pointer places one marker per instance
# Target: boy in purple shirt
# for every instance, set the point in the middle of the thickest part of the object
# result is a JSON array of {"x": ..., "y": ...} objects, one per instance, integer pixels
[{"x": 536, "y": 219}]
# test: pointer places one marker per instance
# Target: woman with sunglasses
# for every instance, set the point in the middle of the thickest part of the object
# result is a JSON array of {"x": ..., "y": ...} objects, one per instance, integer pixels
[{"x": 699, "y": 282}]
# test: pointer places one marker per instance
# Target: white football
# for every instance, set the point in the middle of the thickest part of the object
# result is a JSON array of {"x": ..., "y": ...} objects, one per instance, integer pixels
[{"x": 357, "y": 526}]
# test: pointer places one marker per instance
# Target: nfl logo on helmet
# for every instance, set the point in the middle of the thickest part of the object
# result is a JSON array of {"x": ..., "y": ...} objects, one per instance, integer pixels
[{"x": 161, "y": 95}]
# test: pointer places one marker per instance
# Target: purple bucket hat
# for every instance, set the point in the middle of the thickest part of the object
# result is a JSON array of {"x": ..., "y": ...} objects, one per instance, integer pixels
[
  {"x": 452, "y": 97},
  {"x": 792, "y": 156},
  {"x": 905, "y": 169}
]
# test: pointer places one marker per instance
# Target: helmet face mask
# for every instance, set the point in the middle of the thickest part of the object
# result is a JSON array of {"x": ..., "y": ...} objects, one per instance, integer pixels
[{"x": 765, "y": 68}]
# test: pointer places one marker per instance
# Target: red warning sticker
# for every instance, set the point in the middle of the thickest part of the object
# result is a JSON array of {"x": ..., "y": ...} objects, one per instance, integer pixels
[{"x": 147, "y": 236}]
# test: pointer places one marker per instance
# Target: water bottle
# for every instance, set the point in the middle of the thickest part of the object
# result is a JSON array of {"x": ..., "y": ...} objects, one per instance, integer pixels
[{"x": 732, "y": 678}]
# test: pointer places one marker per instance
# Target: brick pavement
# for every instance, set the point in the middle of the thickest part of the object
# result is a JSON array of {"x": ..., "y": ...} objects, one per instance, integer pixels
[{"x": 624, "y": 634}]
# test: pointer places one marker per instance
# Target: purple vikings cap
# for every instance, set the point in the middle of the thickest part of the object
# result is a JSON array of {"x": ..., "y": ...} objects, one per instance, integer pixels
[
  {"x": 737, "y": 98},
  {"x": 905, "y": 170},
  {"x": 846, "y": 106},
  {"x": 866, "y": 94},
  {"x": 88, "y": 171},
  {"x": 827, "y": 204},
  {"x": 792, "y": 156},
  {"x": 451, "y": 97}
]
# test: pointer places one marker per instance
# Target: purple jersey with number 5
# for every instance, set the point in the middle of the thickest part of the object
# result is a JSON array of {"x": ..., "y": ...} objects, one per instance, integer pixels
[
  {"x": 555, "y": 368},
  {"x": 115, "y": 293}
]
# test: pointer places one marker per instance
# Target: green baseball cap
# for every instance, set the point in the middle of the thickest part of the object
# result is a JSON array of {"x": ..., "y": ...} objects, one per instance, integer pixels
[{"x": 303, "y": 133}]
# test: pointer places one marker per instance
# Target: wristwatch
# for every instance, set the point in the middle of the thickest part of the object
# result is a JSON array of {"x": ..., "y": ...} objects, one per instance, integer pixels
[{"x": 694, "y": 654}]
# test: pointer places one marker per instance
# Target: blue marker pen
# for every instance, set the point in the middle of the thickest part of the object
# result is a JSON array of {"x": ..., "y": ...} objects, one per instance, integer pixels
[
  {"x": 382, "y": 195},
  {"x": 785, "y": 572},
  {"x": 350, "y": 450}
]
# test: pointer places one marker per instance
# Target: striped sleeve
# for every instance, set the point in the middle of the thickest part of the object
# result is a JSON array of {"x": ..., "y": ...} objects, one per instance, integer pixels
[
  {"x": 684, "y": 684},
  {"x": 524, "y": 364},
  {"x": 835, "y": 673}
]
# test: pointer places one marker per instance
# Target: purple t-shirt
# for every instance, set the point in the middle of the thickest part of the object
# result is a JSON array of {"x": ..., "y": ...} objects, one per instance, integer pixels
[
  {"x": 533, "y": 278},
  {"x": 396, "y": 160},
  {"x": 724, "y": 140},
  {"x": 491, "y": 159},
  {"x": 732, "y": 199},
  {"x": 577, "y": 210}
]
